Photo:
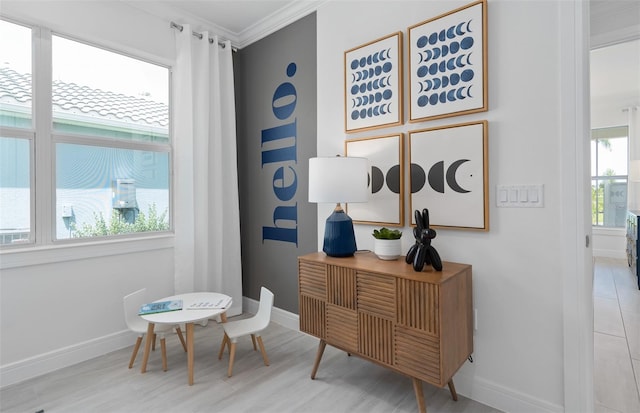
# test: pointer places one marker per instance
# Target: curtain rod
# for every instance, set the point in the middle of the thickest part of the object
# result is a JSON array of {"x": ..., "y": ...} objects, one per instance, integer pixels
[{"x": 199, "y": 36}]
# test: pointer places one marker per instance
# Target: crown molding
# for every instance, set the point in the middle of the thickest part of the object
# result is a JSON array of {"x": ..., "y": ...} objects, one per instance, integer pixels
[{"x": 277, "y": 20}]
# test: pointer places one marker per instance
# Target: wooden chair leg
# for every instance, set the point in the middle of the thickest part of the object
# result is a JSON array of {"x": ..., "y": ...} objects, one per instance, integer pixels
[
  {"x": 264, "y": 353},
  {"x": 135, "y": 351},
  {"x": 181, "y": 337},
  {"x": 225, "y": 341},
  {"x": 163, "y": 347},
  {"x": 153, "y": 343},
  {"x": 253, "y": 340},
  {"x": 232, "y": 354}
]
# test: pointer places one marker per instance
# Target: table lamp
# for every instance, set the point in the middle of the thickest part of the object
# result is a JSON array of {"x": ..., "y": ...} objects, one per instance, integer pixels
[{"x": 334, "y": 180}]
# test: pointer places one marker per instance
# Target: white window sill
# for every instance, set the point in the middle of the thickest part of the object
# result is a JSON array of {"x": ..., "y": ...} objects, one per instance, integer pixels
[{"x": 64, "y": 252}]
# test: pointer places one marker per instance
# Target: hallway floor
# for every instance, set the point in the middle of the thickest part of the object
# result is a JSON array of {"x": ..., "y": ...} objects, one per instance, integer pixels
[{"x": 616, "y": 310}]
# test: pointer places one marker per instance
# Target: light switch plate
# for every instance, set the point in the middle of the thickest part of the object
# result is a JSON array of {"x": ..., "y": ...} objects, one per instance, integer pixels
[{"x": 520, "y": 196}]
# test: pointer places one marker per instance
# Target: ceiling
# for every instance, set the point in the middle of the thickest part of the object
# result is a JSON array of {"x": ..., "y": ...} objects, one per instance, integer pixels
[
  {"x": 615, "y": 67},
  {"x": 240, "y": 21}
]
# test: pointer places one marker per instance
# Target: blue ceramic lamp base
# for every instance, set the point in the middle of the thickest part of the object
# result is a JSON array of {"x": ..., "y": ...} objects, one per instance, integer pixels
[{"x": 339, "y": 238}]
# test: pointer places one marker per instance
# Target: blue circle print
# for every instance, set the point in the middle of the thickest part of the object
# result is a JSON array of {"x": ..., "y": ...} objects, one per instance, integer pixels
[
  {"x": 433, "y": 69},
  {"x": 422, "y": 41},
  {"x": 370, "y": 112},
  {"x": 451, "y": 95},
  {"x": 375, "y": 57},
  {"x": 454, "y": 47},
  {"x": 378, "y": 70},
  {"x": 354, "y": 89},
  {"x": 455, "y": 78},
  {"x": 363, "y": 61},
  {"x": 369, "y": 60},
  {"x": 433, "y": 38},
  {"x": 451, "y": 32},
  {"x": 451, "y": 63},
  {"x": 291, "y": 69},
  {"x": 363, "y": 88},
  {"x": 387, "y": 67},
  {"x": 443, "y": 66},
  {"x": 442, "y": 36},
  {"x": 466, "y": 43},
  {"x": 365, "y": 100},
  {"x": 365, "y": 75},
  {"x": 354, "y": 64},
  {"x": 369, "y": 87},
  {"x": 422, "y": 71},
  {"x": 436, "y": 53},
  {"x": 423, "y": 101},
  {"x": 436, "y": 83},
  {"x": 354, "y": 115},
  {"x": 375, "y": 84},
  {"x": 378, "y": 97},
  {"x": 371, "y": 72},
  {"x": 445, "y": 81},
  {"x": 466, "y": 75},
  {"x": 363, "y": 113},
  {"x": 376, "y": 110},
  {"x": 443, "y": 97},
  {"x": 387, "y": 94},
  {"x": 434, "y": 99},
  {"x": 445, "y": 50}
]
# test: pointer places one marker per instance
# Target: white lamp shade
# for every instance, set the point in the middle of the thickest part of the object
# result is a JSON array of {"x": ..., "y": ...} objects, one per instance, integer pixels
[{"x": 338, "y": 179}]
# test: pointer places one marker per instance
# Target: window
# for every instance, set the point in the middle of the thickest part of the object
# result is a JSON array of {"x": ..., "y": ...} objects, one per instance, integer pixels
[
  {"x": 108, "y": 142},
  {"x": 609, "y": 176},
  {"x": 16, "y": 141}
]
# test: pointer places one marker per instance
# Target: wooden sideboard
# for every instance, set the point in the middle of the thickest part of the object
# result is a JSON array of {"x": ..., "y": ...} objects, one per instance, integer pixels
[{"x": 416, "y": 323}]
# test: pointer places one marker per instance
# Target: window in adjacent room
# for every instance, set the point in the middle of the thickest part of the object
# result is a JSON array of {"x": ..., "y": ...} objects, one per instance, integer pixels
[{"x": 609, "y": 147}]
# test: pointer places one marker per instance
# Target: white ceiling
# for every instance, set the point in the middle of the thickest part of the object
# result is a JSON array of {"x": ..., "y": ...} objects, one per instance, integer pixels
[
  {"x": 615, "y": 68},
  {"x": 241, "y": 21}
]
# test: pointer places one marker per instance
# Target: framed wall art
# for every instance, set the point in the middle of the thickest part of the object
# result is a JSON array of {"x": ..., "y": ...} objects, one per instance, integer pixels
[
  {"x": 448, "y": 64},
  {"x": 449, "y": 175},
  {"x": 386, "y": 180},
  {"x": 373, "y": 84}
]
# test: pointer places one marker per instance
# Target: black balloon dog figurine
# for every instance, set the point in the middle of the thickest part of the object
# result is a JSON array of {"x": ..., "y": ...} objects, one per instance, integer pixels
[{"x": 422, "y": 252}]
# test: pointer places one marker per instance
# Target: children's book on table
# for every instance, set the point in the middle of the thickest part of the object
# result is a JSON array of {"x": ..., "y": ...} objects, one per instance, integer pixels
[
  {"x": 160, "y": 307},
  {"x": 210, "y": 305}
]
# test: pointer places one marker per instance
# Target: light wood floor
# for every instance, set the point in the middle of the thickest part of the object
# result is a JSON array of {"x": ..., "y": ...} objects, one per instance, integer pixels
[
  {"x": 343, "y": 383},
  {"x": 616, "y": 337}
]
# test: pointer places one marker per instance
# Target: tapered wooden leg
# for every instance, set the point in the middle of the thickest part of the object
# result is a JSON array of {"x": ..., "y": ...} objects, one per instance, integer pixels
[
  {"x": 181, "y": 337},
  {"x": 189, "y": 327},
  {"x": 223, "y": 317},
  {"x": 316, "y": 363},
  {"x": 264, "y": 353},
  {"x": 225, "y": 341},
  {"x": 153, "y": 343},
  {"x": 147, "y": 347},
  {"x": 232, "y": 355},
  {"x": 253, "y": 340},
  {"x": 135, "y": 351},
  {"x": 417, "y": 388},
  {"x": 163, "y": 349},
  {"x": 452, "y": 389}
]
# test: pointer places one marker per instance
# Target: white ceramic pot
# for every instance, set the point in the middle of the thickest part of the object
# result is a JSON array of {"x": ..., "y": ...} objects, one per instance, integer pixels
[{"x": 387, "y": 249}]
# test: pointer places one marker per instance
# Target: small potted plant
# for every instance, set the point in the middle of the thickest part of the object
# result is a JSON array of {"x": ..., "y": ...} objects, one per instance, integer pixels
[{"x": 387, "y": 244}]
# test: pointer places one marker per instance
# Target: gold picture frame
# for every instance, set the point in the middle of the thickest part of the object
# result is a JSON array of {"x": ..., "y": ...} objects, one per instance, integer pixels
[{"x": 373, "y": 84}]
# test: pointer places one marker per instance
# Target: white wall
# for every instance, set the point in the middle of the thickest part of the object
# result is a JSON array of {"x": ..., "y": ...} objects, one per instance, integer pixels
[
  {"x": 517, "y": 271},
  {"x": 61, "y": 305}
]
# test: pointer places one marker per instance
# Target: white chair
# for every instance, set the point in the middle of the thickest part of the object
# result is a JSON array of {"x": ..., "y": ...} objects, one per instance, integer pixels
[
  {"x": 249, "y": 326},
  {"x": 132, "y": 303}
]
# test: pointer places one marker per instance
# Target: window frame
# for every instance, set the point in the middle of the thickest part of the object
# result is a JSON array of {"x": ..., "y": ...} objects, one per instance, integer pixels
[
  {"x": 43, "y": 140},
  {"x": 608, "y": 132}
]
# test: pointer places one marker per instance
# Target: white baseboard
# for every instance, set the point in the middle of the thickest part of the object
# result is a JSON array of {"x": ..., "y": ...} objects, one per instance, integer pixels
[
  {"x": 476, "y": 388},
  {"x": 609, "y": 253},
  {"x": 45, "y": 363},
  {"x": 501, "y": 397}
]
